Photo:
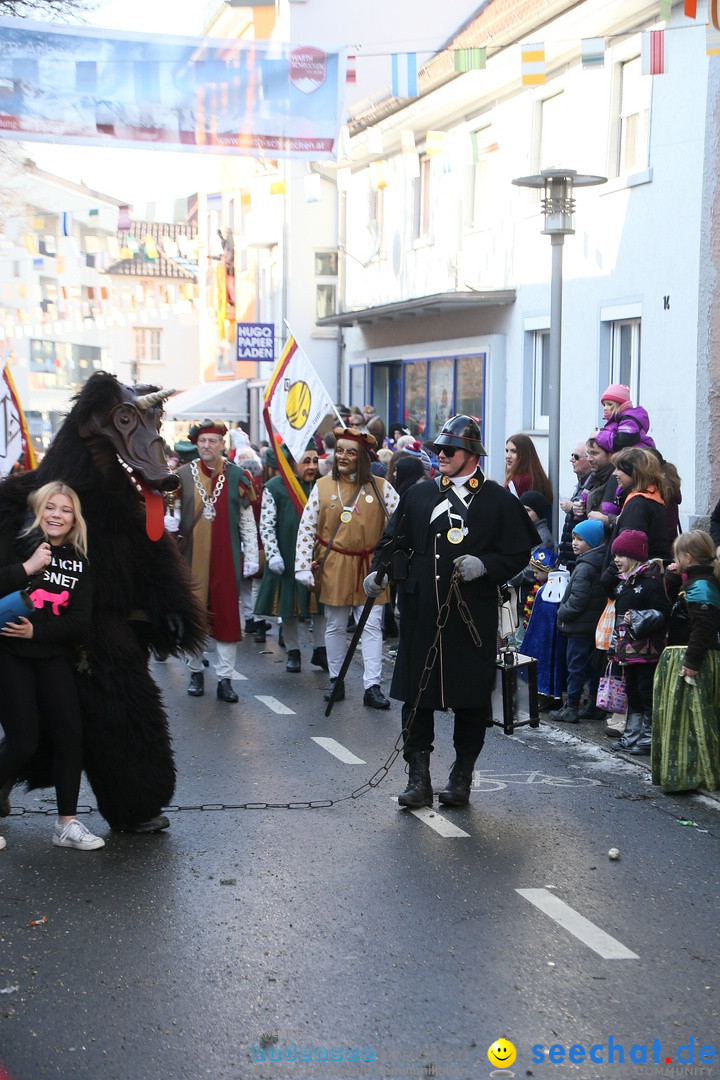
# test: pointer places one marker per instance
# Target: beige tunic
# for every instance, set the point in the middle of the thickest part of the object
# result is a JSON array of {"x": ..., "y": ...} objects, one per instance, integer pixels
[{"x": 354, "y": 542}]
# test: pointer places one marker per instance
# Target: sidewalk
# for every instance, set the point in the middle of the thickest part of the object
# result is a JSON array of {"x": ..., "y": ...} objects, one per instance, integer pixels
[{"x": 592, "y": 731}]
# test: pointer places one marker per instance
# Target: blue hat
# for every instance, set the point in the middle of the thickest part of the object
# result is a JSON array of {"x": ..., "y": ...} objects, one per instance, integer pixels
[
  {"x": 543, "y": 558},
  {"x": 591, "y": 531}
]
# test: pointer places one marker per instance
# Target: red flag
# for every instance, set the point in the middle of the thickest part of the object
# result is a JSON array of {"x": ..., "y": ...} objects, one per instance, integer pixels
[
  {"x": 690, "y": 8},
  {"x": 17, "y": 445}
]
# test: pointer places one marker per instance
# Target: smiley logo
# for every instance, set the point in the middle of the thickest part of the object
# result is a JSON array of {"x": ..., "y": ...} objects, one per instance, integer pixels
[{"x": 501, "y": 1053}]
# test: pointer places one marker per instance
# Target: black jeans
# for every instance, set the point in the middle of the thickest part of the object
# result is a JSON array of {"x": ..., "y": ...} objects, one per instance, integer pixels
[
  {"x": 639, "y": 687},
  {"x": 468, "y": 732},
  {"x": 40, "y": 698}
]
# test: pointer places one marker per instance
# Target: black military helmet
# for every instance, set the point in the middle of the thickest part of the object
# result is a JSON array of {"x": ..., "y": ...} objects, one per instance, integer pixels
[{"x": 461, "y": 431}]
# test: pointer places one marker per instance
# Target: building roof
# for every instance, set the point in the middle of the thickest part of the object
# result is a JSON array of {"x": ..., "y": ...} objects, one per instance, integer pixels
[{"x": 157, "y": 250}]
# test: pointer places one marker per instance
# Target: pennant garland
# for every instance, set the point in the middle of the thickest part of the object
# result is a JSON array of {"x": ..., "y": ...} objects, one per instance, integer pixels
[
  {"x": 652, "y": 52},
  {"x": 295, "y": 403},
  {"x": 712, "y": 41},
  {"x": 593, "y": 52},
  {"x": 404, "y": 75},
  {"x": 665, "y": 10},
  {"x": 690, "y": 8},
  {"x": 470, "y": 59},
  {"x": 533, "y": 64}
]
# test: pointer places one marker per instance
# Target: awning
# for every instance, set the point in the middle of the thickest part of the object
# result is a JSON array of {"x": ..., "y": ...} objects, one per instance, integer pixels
[
  {"x": 438, "y": 304},
  {"x": 226, "y": 400}
]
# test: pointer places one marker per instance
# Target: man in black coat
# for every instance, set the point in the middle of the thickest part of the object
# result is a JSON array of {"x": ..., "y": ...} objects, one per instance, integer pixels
[{"x": 459, "y": 519}]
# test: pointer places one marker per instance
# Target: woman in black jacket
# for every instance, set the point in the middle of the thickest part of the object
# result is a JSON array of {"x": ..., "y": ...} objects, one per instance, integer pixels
[
  {"x": 48, "y": 562},
  {"x": 643, "y": 501}
]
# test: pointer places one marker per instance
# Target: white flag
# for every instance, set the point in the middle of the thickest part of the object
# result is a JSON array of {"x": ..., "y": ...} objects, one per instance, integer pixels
[{"x": 295, "y": 399}]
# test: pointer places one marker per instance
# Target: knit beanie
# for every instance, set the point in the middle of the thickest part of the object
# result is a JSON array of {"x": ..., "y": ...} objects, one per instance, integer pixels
[
  {"x": 417, "y": 450},
  {"x": 536, "y": 501},
  {"x": 616, "y": 392},
  {"x": 591, "y": 531},
  {"x": 632, "y": 543}
]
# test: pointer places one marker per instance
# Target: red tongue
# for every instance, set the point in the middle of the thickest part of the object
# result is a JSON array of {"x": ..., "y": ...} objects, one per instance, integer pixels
[{"x": 154, "y": 514}]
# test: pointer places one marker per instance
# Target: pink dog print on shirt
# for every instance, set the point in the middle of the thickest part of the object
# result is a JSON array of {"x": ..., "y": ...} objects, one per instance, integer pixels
[{"x": 39, "y": 597}]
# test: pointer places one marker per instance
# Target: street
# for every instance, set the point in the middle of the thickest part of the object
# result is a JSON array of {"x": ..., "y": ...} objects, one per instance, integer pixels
[{"x": 358, "y": 939}]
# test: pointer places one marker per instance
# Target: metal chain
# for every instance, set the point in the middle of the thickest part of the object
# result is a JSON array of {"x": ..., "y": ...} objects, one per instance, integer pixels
[{"x": 376, "y": 778}]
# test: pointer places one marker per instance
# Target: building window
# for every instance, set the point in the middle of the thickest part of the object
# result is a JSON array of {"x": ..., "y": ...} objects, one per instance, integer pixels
[
  {"x": 551, "y": 142},
  {"x": 541, "y": 380},
  {"x": 357, "y": 386},
  {"x": 481, "y": 192},
  {"x": 421, "y": 200},
  {"x": 633, "y": 118},
  {"x": 625, "y": 354},
  {"x": 326, "y": 271},
  {"x": 145, "y": 349}
]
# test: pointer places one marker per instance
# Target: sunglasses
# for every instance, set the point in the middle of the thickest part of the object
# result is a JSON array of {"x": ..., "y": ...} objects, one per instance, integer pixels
[
  {"x": 448, "y": 451},
  {"x": 576, "y": 457}
]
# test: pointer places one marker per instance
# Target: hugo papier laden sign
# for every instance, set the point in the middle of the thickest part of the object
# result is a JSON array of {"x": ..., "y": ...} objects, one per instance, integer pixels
[{"x": 255, "y": 341}]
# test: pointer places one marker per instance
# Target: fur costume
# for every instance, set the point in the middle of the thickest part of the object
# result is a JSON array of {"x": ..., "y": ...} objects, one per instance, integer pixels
[{"x": 110, "y": 452}]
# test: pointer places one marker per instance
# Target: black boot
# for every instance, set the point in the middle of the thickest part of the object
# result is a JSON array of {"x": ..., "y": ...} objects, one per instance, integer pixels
[
  {"x": 319, "y": 658},
  {"x": 293, "y": 661},
  {"x": 197, "y": 684},
  {"x": 592, "y": 712},
  {"x": 457, "y": 790},
  {"x": 419, "y": 791},
  {"x": 568, "y": 714},
  {"x": 644, "y": 740},
  {"x": 225, "y": 692},
  {"x": 632, "y": 732},
  {"x": 281, "y": 639},
  {"x": 5, "y": 798},
  {"x": 340, "y": 696}
]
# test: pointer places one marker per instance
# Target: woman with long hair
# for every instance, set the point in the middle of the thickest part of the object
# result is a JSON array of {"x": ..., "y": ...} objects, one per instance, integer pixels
[
  {"x": 523, "y": 470},
  {"x": 643, "y": 499},
  {"x": 47, "y": 563}
]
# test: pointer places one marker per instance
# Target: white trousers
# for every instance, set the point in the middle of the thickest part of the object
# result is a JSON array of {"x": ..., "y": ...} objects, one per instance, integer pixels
[
  {"x": 248, "y": 595},
  {"x": 225, "y": 667},
  {"x": 337, "y": 641}
]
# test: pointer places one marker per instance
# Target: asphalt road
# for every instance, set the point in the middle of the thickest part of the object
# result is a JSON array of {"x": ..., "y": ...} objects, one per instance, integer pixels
[{"x": 356, "y": 939}]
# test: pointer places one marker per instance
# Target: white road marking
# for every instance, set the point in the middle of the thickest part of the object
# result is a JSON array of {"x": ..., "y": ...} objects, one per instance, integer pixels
[
  {"x": 436, "y": 822},
  {"x": 580, "y": 927},
  {"x": 338, "y": 751},
  {"x": 275, "y": 705}
]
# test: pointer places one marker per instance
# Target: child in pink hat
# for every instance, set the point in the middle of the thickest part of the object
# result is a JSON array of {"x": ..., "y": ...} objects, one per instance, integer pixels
[{"x": 625, "y": 424}]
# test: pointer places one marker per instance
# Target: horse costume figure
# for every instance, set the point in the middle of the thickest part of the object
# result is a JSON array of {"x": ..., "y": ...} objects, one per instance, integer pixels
[{"x": 110, "y": 451}]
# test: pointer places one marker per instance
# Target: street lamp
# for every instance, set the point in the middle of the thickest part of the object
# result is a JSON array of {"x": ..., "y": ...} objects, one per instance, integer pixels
[{"x": 558, "y": 207}]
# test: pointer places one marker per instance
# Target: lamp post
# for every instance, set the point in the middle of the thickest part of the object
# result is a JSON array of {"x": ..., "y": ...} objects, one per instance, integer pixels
[{"x": 558, "y": 207}]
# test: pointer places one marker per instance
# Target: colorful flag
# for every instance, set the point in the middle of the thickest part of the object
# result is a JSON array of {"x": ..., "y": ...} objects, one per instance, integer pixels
[
  {"x": 665, "y": 10},
  {"x": 435, "y": 142},
  {"x": 295, "y": 404},
  {"x": 533, "y": 64},
  {"x": 712, "y": 41},
  {"x": 404, "y": 75},
  {"x": 690, "y": 8},
  {"x": 593, "y": 52},
  {"x": 652, "y": 52},
  {"x": 473, "y": 59},
  {"x": 15, "y": 442},
  {"x": 351, "y": 69},
  {"x": 407, "y": 141}
]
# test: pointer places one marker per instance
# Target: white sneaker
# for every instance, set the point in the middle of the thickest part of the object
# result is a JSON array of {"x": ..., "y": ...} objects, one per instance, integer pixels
[
  {"x": 75, "y": 835},
  {"x": 3, "y": 842}
]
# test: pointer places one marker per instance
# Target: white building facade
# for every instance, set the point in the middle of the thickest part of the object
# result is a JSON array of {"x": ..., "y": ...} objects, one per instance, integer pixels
[{"x": 444, "y": 301}]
